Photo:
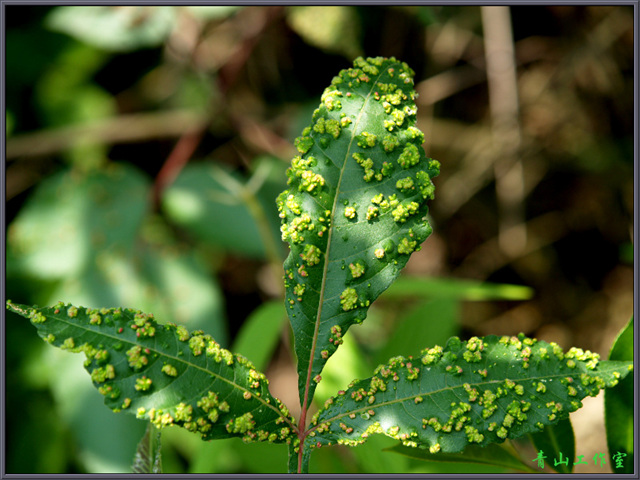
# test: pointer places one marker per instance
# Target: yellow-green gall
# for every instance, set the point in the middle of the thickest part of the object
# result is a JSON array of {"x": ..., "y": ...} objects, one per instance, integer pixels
[
  {"x": 405, "y": 184},
  {"x": 298, "y": 290},
  {"x": 311, "y": 254},
  {"x": 357, "y": 269},
  {"x": 143, "y": 384},
  {"x": 406, "y": 246},
  {"x": 241, "y": 424},
  {"x": 348, "y": 299},
  {"x": 102, "y": 374},
  {"x": 404, "y": 211},
  {"x": 197, "y": 344},
  {"x": 310, "y": 181},
  {"x": 183, "y": 412},
  {"x": 303, "y": 144},
  {"x": 169, "y": 370},
  {"x": 409, "y": 156},
  {"x": 135, "y": 357},
  {"x": 372, "y": 212},
  {"x": 183, "y": 333},
  {"x": 350, "y": 212},
  {"x": 366, "y": 140},
  {"x": 333, "y": 127}
]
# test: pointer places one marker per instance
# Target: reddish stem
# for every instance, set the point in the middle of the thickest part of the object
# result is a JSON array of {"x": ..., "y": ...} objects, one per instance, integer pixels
[{"x": 175, "y": 162}]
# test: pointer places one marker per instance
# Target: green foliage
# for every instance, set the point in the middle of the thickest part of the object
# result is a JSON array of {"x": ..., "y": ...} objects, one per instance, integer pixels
[
  {"x": 354, "y": 211},
  {"x": 79, "y": 232},
  {"x": 456, "y": 289},
  {"x": 493, "y": 455},
  {"x": 148, "y": 458},
  {"x": 114, "y": 28},
  {"x": 260, "y": 333},
  {"x": 477, "y": 392},
  {"x": 619, "y": 405},
  {"x": 333, "y": 29},
  {"x": 166, "y": 374},
  {"x": 204, "y": 197}
]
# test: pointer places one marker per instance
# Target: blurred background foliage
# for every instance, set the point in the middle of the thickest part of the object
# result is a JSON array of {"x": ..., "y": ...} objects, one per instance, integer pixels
[{"x": 146, "y": 145}]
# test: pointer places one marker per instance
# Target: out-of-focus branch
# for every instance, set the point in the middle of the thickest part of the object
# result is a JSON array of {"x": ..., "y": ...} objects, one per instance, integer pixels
[
  {"x": 489, "y": 256},
  {"x": 227, "y": 75},
  {"x": 122, "y": 129},
  {"x": 448, "y": 83},
  {"x": 503, "y": 104}
]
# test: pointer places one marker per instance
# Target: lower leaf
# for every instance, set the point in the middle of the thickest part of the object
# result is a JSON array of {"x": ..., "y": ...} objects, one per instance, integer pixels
[
  {"x": 166, "y": 374},
  {"x": 493, "y": 455},
  {"x": 469, "y": 393},
  {"x": 557, "y": 442}
]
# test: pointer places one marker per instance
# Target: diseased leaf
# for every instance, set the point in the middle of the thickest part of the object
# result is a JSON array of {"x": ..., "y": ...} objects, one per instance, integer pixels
[
  {"x": 166, "y": 374},
  {"x": 148, "y": 457},
  {"x": 355, "y": 209},
  {"x": 349, "y": 362},
  {"x": 619, "y": 407},
  {"x": 470, "y": 393}
]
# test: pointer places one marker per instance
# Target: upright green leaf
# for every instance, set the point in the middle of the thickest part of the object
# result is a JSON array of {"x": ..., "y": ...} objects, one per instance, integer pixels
[
  {"x": 429, "y": 323},
  {"x": 557, "y": 442},
  {"x": 148, "y": 457},
  {"x": 469, "y": 393},
  {"x": 206, "y": 196},
  {"x": 258, "y": 337},
  {"x": 166, "y": 374},
  {"x": 355, "y": 209},
  {"x": 619, "y": 407}
]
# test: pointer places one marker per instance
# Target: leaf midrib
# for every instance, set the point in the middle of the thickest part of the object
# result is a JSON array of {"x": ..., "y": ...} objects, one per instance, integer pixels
[
  {"x": 177, "y": 359},
  {"x": 325, "y": 268}
]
